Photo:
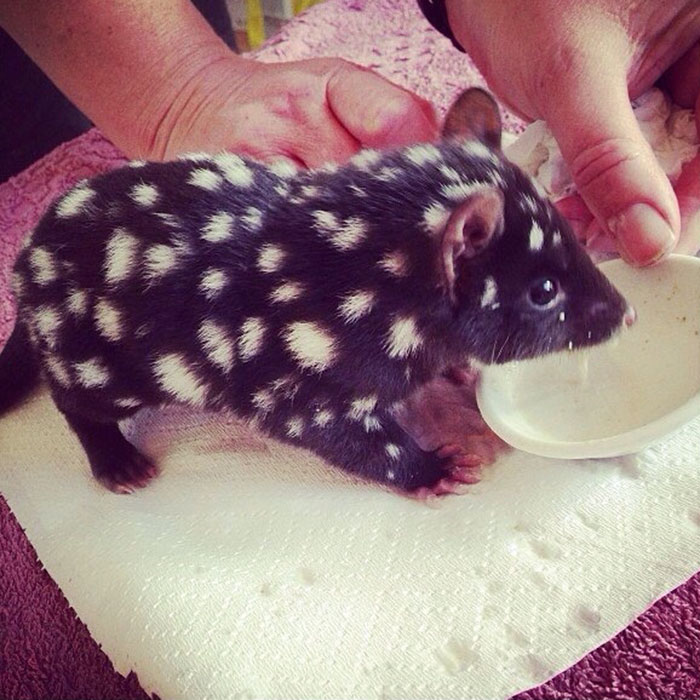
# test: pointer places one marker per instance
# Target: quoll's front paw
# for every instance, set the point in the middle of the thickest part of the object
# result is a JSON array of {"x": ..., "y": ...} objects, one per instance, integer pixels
[
  {"x": 422, "y": 475},
  {"x": 456, "y": 470},
  {"x": 124, "y": 472}
]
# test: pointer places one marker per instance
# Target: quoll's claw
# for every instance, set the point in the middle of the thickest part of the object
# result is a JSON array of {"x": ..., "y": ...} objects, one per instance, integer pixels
[{"x": 444, "y": 487}]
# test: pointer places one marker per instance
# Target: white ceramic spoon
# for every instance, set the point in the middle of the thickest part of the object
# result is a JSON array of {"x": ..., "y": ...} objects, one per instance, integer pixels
[{"x": 618, "y": 397}]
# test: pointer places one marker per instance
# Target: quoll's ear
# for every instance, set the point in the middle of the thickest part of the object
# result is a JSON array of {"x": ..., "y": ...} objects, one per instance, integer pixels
[
  {"x": 474, "y": 115},
  {"x": 473, "y": 225}
]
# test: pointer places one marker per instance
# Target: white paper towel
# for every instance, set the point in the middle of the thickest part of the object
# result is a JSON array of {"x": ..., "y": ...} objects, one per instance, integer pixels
[{"x": 251, "y": 570}]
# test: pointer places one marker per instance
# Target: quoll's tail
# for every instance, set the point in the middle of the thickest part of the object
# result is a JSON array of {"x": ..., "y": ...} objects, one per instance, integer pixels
[{"x": 19, "y": 369}]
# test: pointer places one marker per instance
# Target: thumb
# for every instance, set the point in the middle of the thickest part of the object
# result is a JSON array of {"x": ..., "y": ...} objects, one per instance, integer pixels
[
  {"x": 376, "y": 112},
  {"x": 613, "y": 166}
]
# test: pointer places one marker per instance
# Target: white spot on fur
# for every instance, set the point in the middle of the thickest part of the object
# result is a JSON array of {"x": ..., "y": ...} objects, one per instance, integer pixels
[
  {"x": 295, "y": 427},
  {"x": 120, "y": 256},
  {"x": 404, "y": 338},
  {"x": 357, "y": 191},
  {"x": 490, "y": 294},
  {"x": 250, "y": 341},
  {"x": 128, "y": 402},
  {"x": 47, "y": 321},
  {"x": 75, "y": 202},
  {"x": 459, "y": 191},
  {"x": 449, "y": 172},
  {"x": 77, "y": 302},
  {"x": 477, "y": 149},
  {"x": 365, "y": 159},
  {"x": 136, "y": 163},
  {"x": 556, "y": 238},
  {"x": 323, "y": 417},
  {"x": 562, "y": 316},
  {"x": 212, "y": 282},
  {"x": 325, "y": 221},
  {"x": 218, "y": 227},
  {"x": 328, "y": 168},
  {"x": 536, "y": 237},
  {"x": 312, "y": 346},
  {"x": 283, "y": 168},
  {"x": 356, "y": 305},
  {"x": 395, "y": 263},
  {"x": 394, "y": 451},
  {"x": 351, "y": 233},
  {"x": 234, "y": 169},
  {"x": 529, "y": 204},
  {"x": 205, "y": 178},
  {"x": 310, "y": 191},
  {"x": 361, "y": 407},
  {"x": 270, "y": 258},
  {"x": 282, "y": 190},
  {"x": 108, "y": 320},
  {"x": 252, "y": 218},
  {"x": 92, "y": 374},
  {"x": 175, "y": 376},
  {"x": 343, "y": 235},
  {"x": 160, "y": 259},
  {"x": 263, "y": 400},
  {"x": 388, "y": 174},
  {"x": 43, "y": 266},
  {"x": 497, "y": 178},
  {"x": 57, "y": 369},
  {"x": 217, "y": 344},
  {"x": 423, "y": 154},
  {"x": 288, "y": 291},
  {"x": 144, "y": 195},
  {"x": 372, "y": 424},
  {"x": 435, "y": 217}
]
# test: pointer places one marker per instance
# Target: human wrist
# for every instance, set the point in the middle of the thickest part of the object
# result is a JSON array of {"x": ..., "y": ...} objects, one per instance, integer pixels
[
  {"x": 199, "y": 73},
  {"x": 128, "y": 66}
]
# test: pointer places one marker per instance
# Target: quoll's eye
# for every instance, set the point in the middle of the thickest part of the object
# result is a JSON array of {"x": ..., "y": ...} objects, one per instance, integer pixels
[{"x": 544, "y": 292}]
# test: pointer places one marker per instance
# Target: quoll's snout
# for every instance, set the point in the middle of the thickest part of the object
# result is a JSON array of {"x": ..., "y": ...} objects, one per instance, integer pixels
[{"x": 603, "y": 308}]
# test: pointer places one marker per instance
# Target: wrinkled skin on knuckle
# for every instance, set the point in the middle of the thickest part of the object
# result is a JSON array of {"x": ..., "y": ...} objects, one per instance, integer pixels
[{"x": 595, "y": 161}]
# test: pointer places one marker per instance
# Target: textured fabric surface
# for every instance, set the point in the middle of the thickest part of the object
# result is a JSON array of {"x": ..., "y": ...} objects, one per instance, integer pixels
[
  {"x": 46, "y": 653},
  {"x": 249, "y": 567}
]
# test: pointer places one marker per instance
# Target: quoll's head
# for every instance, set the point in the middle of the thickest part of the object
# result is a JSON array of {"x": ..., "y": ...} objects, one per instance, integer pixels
[{"x": 520, "y": 283}]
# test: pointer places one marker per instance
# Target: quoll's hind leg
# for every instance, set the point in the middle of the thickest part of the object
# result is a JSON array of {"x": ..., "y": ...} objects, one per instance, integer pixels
[
  {"x": 114, "y": 461},
  {"x": 369, "y": 443}
]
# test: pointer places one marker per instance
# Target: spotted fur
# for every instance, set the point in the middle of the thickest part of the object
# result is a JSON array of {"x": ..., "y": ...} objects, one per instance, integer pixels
[{"x": 308, "y": 301}]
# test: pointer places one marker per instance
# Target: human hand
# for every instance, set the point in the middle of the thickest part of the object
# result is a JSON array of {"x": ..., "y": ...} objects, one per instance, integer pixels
[
  {"x": 577, "y": 65},
  {"x": 311, "y": 112}
]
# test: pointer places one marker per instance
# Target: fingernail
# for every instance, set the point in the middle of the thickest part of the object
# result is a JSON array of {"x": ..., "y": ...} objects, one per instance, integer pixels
[{"x": 642, "y": 234}]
